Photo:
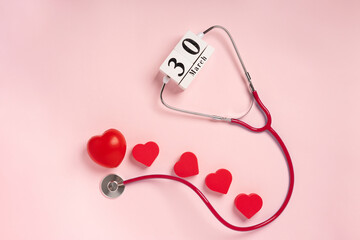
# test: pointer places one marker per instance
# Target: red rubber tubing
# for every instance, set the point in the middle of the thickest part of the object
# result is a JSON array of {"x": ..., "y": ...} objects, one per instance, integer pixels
[{"x": 272, "y": 132}]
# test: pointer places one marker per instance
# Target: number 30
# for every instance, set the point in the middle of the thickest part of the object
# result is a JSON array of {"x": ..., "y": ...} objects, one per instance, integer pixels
[{"x": 187, "y": 49}]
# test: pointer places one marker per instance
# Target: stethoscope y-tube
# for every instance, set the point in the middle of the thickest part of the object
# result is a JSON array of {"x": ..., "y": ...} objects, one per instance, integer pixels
[{"x": 109, "y": 189}]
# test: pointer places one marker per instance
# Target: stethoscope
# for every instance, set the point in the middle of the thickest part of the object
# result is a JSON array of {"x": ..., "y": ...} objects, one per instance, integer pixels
[{"x": 113, "y": 186}]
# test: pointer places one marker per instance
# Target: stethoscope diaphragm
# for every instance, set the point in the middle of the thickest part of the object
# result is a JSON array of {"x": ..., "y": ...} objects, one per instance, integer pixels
[{"x": 112, "y": 186}]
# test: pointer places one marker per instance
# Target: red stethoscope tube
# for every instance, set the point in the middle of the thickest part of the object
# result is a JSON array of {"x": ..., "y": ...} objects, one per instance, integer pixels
[{"x": 272, "y": 132}]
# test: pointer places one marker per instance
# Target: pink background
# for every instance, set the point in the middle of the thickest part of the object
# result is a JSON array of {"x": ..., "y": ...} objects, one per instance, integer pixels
[{"x": 72, "y": 69}]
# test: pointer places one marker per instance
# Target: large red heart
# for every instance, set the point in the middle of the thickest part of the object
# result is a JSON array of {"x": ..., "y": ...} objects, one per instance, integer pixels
[
  {"x": 146, "y": 153},
  {"x": 187, "y": 165},
  {"x": 219, "y": 181},
  {"x": 248, "y": 205},
  {"x": 109, "y": 149}
]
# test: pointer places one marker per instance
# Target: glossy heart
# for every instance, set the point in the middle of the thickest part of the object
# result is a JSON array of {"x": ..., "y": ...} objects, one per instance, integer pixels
[
  {"x": 219, "y": 181},
  {"x": 187, "y": 165},
  {"x": 248, "y": 205},
  {"x": 146, "y": 153},
  {"x": 108, "y": 150}
]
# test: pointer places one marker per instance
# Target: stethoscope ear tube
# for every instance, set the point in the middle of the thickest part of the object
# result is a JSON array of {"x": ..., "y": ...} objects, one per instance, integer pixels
[
  {"x": 211, "y": 116},
  {"x": 265, "y": 111}
]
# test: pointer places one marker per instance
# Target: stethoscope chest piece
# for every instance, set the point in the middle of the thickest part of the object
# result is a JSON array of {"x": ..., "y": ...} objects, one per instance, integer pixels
[{"x": 112, "y": 186}]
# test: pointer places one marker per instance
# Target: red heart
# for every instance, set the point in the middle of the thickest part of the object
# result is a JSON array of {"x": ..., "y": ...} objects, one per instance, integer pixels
[
  {"x": 107, "y": 150},
  {"x": 146, "y": 153},
  {"x": 187, "y": 165},
  {"x": 248, "y": 205},
  {"x": 219, "y": 181}
]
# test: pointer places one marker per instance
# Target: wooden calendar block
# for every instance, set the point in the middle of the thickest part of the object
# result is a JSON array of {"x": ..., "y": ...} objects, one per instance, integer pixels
[
  {"x": 176, "y": 66},
  {"x": 196, "y": 67},
  {"x": 191, "y": 46},
  {"x": 187, "y": 59}
]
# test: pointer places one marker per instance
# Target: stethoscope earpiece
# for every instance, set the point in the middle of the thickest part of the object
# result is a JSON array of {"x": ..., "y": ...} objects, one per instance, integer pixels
[{"x": 112, "y": 186}]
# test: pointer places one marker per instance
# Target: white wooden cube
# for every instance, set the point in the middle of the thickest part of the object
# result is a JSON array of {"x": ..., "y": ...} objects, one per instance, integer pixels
[
  {"x": 176, "y": 66},
  {"x": 191, "y": 46},
  {"x": 196, "y": 67},
  {"x": 187, "y": 59}
]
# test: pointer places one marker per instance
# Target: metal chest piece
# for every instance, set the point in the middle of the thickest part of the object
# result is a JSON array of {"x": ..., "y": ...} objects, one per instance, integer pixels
[{"x": 112, "y": 186}]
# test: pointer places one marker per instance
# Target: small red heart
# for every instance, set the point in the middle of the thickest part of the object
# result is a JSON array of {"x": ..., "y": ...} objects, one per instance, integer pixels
[
  {"x": 146, "y": 153},
  {"x": 248, "y": 205},
  {"x": 187, "y": 165},
  {"x": 219, "y": 181},
  {"x": 108, "y": 150}
]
